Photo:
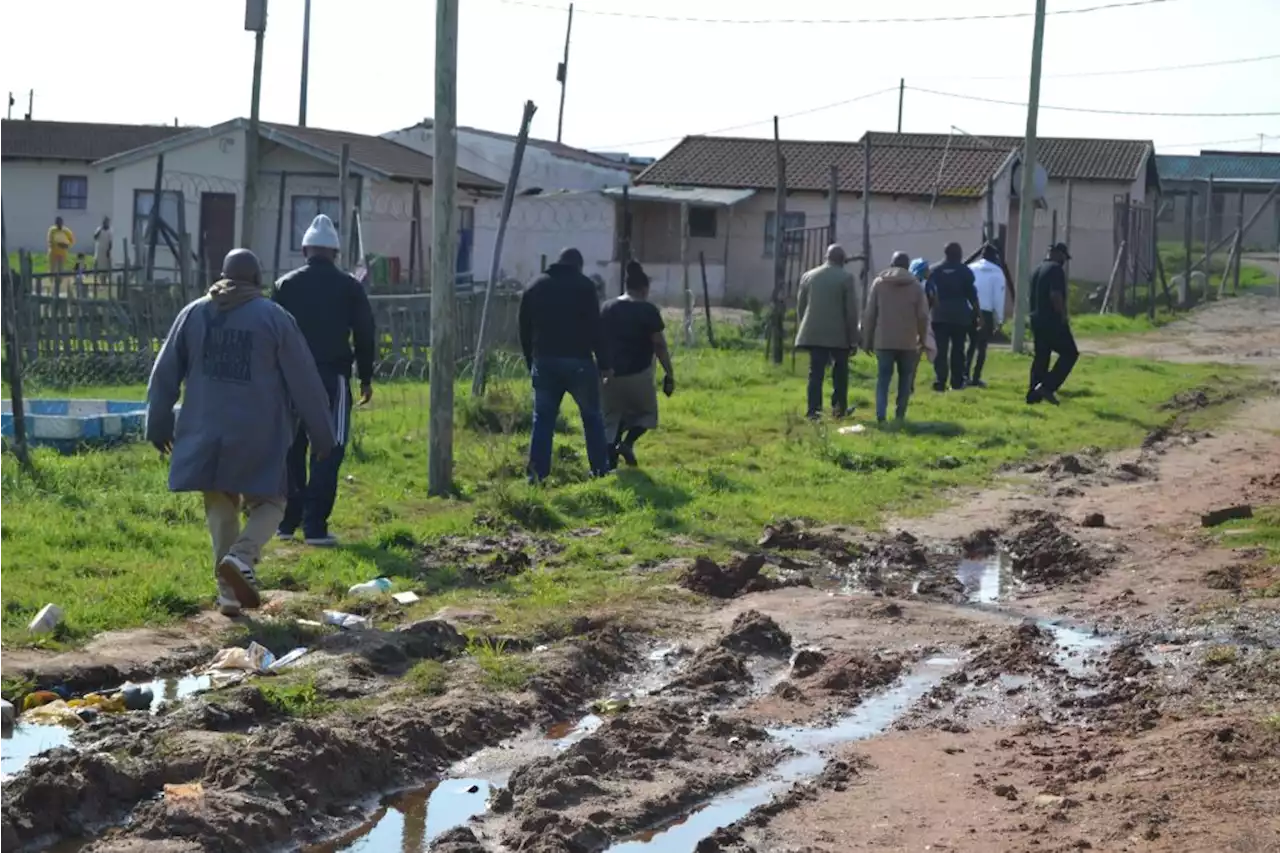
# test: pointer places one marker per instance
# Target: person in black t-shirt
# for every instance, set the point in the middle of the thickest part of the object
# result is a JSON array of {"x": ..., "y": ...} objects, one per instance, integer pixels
[
  {"x": 632, "y": 328},
  {"x": 1051, "y": 328}
]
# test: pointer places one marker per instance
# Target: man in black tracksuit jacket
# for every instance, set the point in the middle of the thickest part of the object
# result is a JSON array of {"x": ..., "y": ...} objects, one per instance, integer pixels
[
  {"x": 955, "y": 309},
  {"x": 333, "y": 312}
]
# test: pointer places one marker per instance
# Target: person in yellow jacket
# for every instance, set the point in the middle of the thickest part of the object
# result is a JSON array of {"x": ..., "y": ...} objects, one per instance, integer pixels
[{"x": 60, "y": 242}]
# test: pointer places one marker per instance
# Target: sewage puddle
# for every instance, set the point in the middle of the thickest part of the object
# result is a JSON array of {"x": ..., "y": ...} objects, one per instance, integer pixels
[
  {"x": 409, "y": 821},
  {"x": 986, "y": 579},
  {"x": 25, "y": 741},
  {"x": 870, "y": 718}
]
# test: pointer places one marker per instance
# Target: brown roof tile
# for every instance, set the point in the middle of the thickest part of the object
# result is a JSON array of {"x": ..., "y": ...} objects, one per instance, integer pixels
[
  {"x": 77, "y": 140},
  {"x": 385, "y": 155},
  {"x": 901, "y": 164}
]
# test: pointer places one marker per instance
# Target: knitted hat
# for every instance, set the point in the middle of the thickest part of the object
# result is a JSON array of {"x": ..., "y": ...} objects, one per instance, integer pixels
[{"x": 321, "y": 234}]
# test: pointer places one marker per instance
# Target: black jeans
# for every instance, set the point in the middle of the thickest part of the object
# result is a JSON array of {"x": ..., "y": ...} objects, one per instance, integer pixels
[
  {"x": 311, "y": 498},
  {"x": 978, "y": 340},
  {"x": 1053, "y": 338},
  {"x": 950, "y": 360},
  {"x": 819, "y": 357}
]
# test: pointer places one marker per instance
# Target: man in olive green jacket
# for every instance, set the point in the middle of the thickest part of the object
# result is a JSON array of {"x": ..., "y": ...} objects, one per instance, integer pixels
[{"x": 827, "y": 306}]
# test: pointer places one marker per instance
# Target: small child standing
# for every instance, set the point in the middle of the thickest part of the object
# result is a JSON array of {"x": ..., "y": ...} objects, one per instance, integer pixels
[{"x": 81, "y": 291}]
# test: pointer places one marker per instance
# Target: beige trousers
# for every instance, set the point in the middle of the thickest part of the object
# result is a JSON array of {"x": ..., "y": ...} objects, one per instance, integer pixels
[{"x": 222, "y": 513}]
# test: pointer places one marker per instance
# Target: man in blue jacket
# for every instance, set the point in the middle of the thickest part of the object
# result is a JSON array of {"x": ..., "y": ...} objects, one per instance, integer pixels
[
  {"x": 954, "y": 299},
  {"x": 333, "y": 312}
]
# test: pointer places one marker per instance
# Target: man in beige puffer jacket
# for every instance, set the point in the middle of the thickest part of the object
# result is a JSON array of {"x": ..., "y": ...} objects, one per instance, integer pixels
[{"x": 896, "y": 328}]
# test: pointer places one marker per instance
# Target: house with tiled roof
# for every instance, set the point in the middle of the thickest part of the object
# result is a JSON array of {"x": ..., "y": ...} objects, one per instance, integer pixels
[
  {"x": 48, "y": 172},
  {"x": 203, "y": 191},
  {"x": 1240, "y": 185},
  {"x": 925, "y": 190}
]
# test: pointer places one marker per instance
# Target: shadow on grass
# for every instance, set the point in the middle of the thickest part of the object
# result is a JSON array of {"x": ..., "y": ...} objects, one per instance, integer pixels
[
  {"x": 944, "y": 429},
  {"x": 650, "y": 492}
]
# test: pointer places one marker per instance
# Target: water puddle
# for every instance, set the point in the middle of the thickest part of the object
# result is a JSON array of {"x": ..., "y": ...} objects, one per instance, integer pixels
[
  {"x": 565, "y": 734},
  {"x": 409, "y": 821},
  {"x": 22, "y": 743},
  {"x": 870, "y": 718},
  {"x": 1076, "y": 647},
  {"x": 169, "y": 690},
  {"x": 988, "y": 579}
]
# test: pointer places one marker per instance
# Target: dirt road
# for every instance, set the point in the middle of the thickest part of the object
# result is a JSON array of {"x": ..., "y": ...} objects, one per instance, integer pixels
[{"x": 1064, "y": 661}]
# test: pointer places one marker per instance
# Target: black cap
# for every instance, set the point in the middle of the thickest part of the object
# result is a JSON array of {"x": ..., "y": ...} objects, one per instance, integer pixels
[{"x": 1061, "y": 247}]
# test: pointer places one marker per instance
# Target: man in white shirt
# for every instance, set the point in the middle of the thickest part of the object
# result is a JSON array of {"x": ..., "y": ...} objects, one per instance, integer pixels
[
  {"x": 102, "y": 239},
  {"x": 990, "y": 281}
]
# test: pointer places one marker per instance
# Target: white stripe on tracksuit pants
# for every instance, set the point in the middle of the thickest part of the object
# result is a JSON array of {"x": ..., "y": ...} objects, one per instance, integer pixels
[{"x": 312, "y": 492}]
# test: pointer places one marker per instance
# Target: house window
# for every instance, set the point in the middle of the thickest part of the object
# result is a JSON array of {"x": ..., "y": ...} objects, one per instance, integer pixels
[
  {"x": 305, "y": 209},
  {"x": 702, "y": 222},
  {"x": 792, "y": 228},
  {"x": 142, "y": 200},
  {"x": 73, "y": 192}
]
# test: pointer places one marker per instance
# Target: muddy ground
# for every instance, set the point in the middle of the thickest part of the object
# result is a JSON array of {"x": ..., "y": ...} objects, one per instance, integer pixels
[{"x": 1065, "y": 661}]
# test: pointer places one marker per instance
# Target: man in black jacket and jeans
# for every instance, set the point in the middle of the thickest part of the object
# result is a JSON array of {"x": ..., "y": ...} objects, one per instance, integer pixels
[
  {"x": 955, "y": 311},
  {"x": 561, "y": 335},
  {"x": 333, "y": 312},
  {"x": 1051, "y": 328}
]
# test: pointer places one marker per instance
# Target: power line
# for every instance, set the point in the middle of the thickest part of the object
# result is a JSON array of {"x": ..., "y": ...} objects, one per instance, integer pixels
[
  {"x": 621, "y": 145},
  {"x": 1249, "y": 139},
  {"x": 1117, "y": 73},
  {"x": 1146, "y": 113},
  {"x": 1121, "y": 4}
]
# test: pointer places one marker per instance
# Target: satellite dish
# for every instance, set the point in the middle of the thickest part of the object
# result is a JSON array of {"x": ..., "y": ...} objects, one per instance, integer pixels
[{"x": 1040, "y": 180}]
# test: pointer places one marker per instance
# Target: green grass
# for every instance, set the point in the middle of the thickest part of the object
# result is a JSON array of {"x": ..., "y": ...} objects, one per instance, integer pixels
[
  {"x": 428, "y": 677},
  {"x": 99, "y": 533},
  {"x": 499, "y": 669},
  {"x": 1263, "y": 532},
  {"x": 294, "y": 698}
]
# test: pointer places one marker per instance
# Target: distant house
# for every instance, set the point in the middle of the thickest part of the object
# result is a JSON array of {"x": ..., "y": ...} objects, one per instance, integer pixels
[
  {"x": 1185, "y": 180},
  {"x": 926, "y": 190},
  {"x": 547, "y": 166},
  {"x": 204, "y": 182},
  {"x": 48, "y": 172}
]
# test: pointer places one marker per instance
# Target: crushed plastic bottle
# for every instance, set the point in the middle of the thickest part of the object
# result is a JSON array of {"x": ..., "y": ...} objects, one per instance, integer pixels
[{"x": 349, "y": 621}]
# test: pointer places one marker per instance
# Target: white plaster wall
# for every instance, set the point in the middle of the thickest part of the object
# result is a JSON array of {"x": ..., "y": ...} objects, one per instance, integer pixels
[
  {"x": 543, "y": 226},
  {"x": 491, "y": 157},
  {"x": 30, "y": 190}
]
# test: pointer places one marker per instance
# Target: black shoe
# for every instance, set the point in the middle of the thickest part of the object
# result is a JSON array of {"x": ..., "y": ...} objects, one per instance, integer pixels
[
  {"x": 613, "y": 457},
  {"x": 814, "y": 416},
  {"x": 628, "y": 454},
  {"x": 977, "y": 383},
  {"x": 939, "y": 387},
  {"x": 1046, "y": 394}
]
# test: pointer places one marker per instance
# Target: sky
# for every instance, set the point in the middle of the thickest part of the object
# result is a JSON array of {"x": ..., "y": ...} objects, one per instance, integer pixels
[{"x": 639, "y": 84}]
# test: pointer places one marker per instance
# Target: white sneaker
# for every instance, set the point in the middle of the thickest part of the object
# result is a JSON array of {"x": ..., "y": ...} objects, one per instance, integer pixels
[
  {"x": 240, "y": 578},
  {"x": 326, "y": 541},
  {"x": 228, "y": 607}
]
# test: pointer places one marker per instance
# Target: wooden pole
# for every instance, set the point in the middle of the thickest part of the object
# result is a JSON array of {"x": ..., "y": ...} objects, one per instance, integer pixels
[
  {"x": 833, "y": 203},
  {"x": 866, "y": 217},
  {"x": 1026, "y": 202},
  {"x": 1053, "y": 226},
  {"x": 779, "y": 250},
  {"x": 1122, "y": 301},
  {"x": 1155, "y": 256},
  {"x": 306, "y": 65},
  {"x": 13, "y": 353},
  {"x": 344, "y": 179},
  {"x": 153, "y": 221},
  {"x": 180, "y": 248},
  {"x": 728, "y": 224},
  {"x": 989, "y": 226},
  {"x": 414, "y": 224},
  {"x": 1066, "y": 236},
  {"x": 562, "y": 74},
  {"x": 1115, "y": 272},
  {"x": 252, "y": 146},
  {"x": 624, "y": 241},
  {"x": 706, "y": 298},
  {"x": 684, "y": 274},
  {"x": 444, "y": 250},
  {"x": 1188, "y": 209},
  {"x": 1226, "y": 271},
  {"x": 495, "y": 266},
  {"x": 1239, "y": 246},
  {"x": 1208, "y": 228},
  {"x": 280, "y": 199},
  {"x": 422, "y": 247}
]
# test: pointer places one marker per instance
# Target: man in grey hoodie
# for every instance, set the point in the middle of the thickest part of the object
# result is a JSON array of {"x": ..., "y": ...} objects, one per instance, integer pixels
[
  {"x": 896, "y": 329},
  {"x": 247, "y": 369}
]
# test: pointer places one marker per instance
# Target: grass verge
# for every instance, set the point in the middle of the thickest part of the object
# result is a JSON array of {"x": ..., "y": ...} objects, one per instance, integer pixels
[{"x": 99, "y": 533}]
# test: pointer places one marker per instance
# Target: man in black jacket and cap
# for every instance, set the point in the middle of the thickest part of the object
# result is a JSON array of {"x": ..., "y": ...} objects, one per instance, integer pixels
[
  {"x": 333, "y": 312},
  {"x": 1051, "y": 327},
  {"x": 560, "y": 333}
]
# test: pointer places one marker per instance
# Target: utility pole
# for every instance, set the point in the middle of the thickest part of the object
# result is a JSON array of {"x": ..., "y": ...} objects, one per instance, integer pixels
[
  {"x": 444, "y": 251},
  {"x": 255, "y": 21},
  {"x": 902, "y": 88},
  {"x": 1026, "y": 204},
  {"x": 306, "y": 63},
  {"x": 9, "y": 114},
  {"x": 562, "y": 74},
  {"x": 31, "y": 103}
]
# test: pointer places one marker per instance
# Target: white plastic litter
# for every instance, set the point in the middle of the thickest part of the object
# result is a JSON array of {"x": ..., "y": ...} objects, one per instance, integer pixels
[
  {"x": 377, "y": 586},
  {"x": 405, "y": 597},
  {"x": 349, "y": 621},
  {"x": 852, "y": 429},
  {"x": 49, "y": 617},
  {"x": 281, "y": 663},
  {"x": 256, "y": 658}
]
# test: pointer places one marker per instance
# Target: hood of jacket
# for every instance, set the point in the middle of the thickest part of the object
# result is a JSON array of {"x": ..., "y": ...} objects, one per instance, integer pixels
[
  {"x": 898, "y": 276},
  {"x": 228, "y": 294}
]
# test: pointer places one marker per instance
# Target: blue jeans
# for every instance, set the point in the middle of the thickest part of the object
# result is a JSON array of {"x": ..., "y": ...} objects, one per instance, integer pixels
[
  {"x": 552, "y": 379},
  {"x": 886, "y": 360}
]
